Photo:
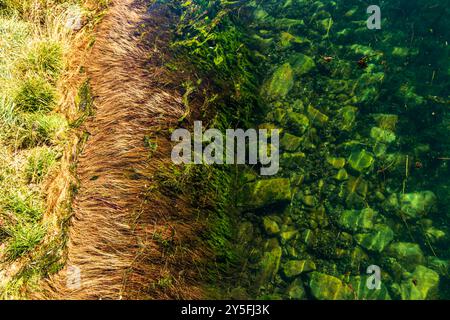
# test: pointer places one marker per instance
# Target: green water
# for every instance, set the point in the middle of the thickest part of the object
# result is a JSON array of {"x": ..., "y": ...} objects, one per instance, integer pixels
[
  {"x": 364, "y": 174},
  {"x": 365, "y": 143}
]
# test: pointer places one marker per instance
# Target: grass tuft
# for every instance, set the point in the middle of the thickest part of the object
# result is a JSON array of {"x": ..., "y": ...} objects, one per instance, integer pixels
[
  {"x": 23, "y": 238},
  {"x": 35, "y": 94},
  {"x": 39, "y": 162}
]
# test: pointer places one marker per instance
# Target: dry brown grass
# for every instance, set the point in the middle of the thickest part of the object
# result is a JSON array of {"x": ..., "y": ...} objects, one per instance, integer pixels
[{"x": 117, "y": 225}]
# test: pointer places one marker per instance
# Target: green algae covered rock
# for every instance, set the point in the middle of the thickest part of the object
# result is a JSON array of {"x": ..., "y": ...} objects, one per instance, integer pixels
[
  {"x": 326, "y": 287},
  {"x": 347, "y": 117},
  {"x": 361, "y": 161},
  {"x": 382, "y": 135},
  {"x": 270, "y": 262},
  {"x": 341, "y": 175},
  {"x": 294, "y": 268},
  {"x": 270, "y": 226},
  {"x": 296, "y": 122},
  {"x": 280, "y": 83},
  {"x": 265, "y": 192},
  {"x": 337, "y": 163},
  {"x": 358, "y": 220},
  {"x": 422, "y": 284},
  {"x": 315, "y": 116},
  {"x": 296, "y": 291},
  {"x": 301, "y": 64},
  {"x": 409, "y": 255},
  {"x": 291, "y": 143},
  {"x": 417, "y": 204},
  {"x": 377, "y": 239},
  {"x": 361, "y": 289}
]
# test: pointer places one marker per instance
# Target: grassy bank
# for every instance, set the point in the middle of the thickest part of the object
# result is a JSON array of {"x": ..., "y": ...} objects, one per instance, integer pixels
[{"x": 41, "y": 97}]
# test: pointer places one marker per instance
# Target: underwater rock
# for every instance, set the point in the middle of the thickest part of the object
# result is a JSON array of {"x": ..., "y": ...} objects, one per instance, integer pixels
[
  {"x": 266, "y": 192},
  {"x": 417, "y": 204},
  {"x": 377, "y": 239},
  {"x": 294, "y": 268},
  {"x": 362, "y": 292},
  {"x": 301, "y": 64},
  {"x": 442, "y": 267},
  {"x": 361, "y": 161},
  {"x": 296, "y": 122},
  {"x": 296, "y": 291},
  {"x": 409, "y": 255},
  {"x": 358, "y": 220},
  {"x": 291, "y": 143},
  {"x": 386, "y": 121},
  {"x": 347, "y": 117},
  {"x": 409, "y": 97},
  {"x": 422, "y": 284},
  {"x": 292, "y": 160},
  {"x": 435, "y": 235},
  {"x": 337, "y": 163},
  {"x": 382, "y": 135},
  {"x": 287, "y": 39},
  {"x": 270, "y": 226},
  {"x": 366, "y": 89},
  {"x": 317, "y": 117},
  {"x": 326, "y": 287},
  {"x": 270, "y": 262},
  {"x": 281, "y": 82},
  {"x": 341, "y": 175},
  {"x": 286, "y": 236}
]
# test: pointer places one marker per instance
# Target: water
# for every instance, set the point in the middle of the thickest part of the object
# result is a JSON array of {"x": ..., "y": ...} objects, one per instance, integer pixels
[{"x": 364, "y": 151}]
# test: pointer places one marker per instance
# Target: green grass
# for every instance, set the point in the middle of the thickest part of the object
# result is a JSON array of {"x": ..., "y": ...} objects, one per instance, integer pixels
[
  {"x": 23, "y": 238},
  {"x": 39, "y": 162},
  {"x": 35, "y": 94},
  {"x": 44, "y": 58}
]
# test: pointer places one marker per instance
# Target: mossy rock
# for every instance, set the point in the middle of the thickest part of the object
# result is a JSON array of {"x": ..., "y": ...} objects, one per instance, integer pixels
[
  {"x": 326, "y": 287},
  {"x": 422, "y": 284},
  {"x": 358, "y": 220},
  {"x": 292, "y": 160},
  {"x": 361, "y": 290},
  {"x": 270, "y": 226},
  {"x": 266, "y": 192},
  {"x": 296, "y": 291},
  {"x": 342, "y": 175},
  {"x": 409, "y": 255},
  {"x": 386, "y": 121},
  {"x": 290, "y": 142},
  {"x": 377, "y": 239},
  {"x": 301, "y": 64},
  {"x": 347, "y": 117},
  {"x": 417, "y": 204},
  {"x": 270, "y": 262},
  {"x": 361, "y": 160},
  {"x": 337, "y": 163},
  {"x": 294, "y": 268},
  {"x": 280, "y": 83},
  {"x": 382, "y": 135},
  {"x": 315, "y": 116},
  {"x": 298, "y": 123}
]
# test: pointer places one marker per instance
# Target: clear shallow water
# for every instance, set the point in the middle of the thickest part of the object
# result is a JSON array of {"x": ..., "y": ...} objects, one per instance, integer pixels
[{"x": 365, "y": 146}]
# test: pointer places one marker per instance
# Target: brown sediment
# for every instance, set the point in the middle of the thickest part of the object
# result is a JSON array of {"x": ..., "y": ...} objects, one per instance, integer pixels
[{"x": 118, "y": 213}]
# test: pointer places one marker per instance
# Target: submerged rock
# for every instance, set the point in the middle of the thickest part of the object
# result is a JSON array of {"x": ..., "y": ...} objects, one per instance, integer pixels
[
  {"x": 291, "y": 143},
  {"x": 361, "y": 289},
  {"x": 294, "y": 268},
  {"x": 266, "y": 192},
  {"x": 417, "y": 204},
  {"x": 270, "y": 262},
  {"x": 422, "y": 284},
  {"x": 408, "y": 254},
  {"x": 296, "y": 291},
  {"x": 377, "y": 239},
  {"x": 361, "y": 161},
  {"x": 326, "y": 287},
  {"x": 301, "y": 64},
  {"x": 270, "y": 226},
  {"x": 280, "y": 83},
  {"x": 358, "y": 220},
  {"x": 382, "y": 135}
]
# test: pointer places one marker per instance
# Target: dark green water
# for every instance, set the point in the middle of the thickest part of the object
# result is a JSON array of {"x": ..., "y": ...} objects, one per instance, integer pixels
[{"x": 364, "y": 151}]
